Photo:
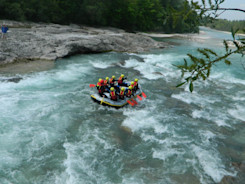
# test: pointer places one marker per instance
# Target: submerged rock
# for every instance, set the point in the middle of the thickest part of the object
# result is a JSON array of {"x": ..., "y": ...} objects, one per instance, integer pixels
[
  {"x": 126, "y": 129},
  {"x": 240, "y": 178},
  {"x": 14, "y": 79},
  {"x": 52, "y": 41},
  {"x": 157, "y": 73}
]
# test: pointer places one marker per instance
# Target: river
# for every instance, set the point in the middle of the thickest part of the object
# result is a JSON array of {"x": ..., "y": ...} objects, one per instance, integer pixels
[{"x": 53, "y": 133}]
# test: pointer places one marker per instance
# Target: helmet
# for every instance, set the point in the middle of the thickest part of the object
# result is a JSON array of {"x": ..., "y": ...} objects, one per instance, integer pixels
[
  {"x": 113, "y": 76},
  {"x": 136, "y": 80},
  {"x": 122, "y": 88},
  {"x": 100, "y": 79},
  {"x": 112, "y": 89},
  {"x": 130, "y": 87},
  {"x": 132, "y": 83},
  {"x": 122, "y": 75},
  {"x": 107, "y": 78}
]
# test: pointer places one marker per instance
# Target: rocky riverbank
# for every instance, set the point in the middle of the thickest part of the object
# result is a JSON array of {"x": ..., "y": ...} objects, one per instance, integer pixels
[{"x": 31, "y": 41}]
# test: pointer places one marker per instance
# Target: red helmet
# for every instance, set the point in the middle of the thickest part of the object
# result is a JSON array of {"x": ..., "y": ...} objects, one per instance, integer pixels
[{"x": 102, "y": 81}]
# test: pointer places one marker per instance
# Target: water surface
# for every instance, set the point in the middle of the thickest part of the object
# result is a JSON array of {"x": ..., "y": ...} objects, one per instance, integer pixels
[{"x": 52, "y": 132}]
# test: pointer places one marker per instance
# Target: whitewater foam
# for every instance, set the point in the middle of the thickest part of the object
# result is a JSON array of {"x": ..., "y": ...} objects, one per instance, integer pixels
[
  {"x": 237, "y": 112},
  {"x": 141, "y": 119},
  {"x": 211, "y": 163},
  {"x": 218, "y": 117}
]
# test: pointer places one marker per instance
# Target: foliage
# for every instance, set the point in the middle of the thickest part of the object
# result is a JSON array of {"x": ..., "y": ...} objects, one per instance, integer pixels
[
  {"x": 132, "y": 15},
  {"x": 226, "y": 25},
  {"x": 200, "y": 67}
]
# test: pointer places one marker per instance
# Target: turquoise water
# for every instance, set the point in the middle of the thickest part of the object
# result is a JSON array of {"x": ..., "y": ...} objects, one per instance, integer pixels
[{"x": 52, "y": 132}]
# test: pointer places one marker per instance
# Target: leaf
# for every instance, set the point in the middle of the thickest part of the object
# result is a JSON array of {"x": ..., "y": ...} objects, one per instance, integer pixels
[
  {"x": 182, "y": 73},
  {"x": 178, "y": 66},
  {"x": 233, "y": 32},
  {"x": 191, "y": 87},
  {"x": 210, "y": 51},
  {"x": 203, "y": 76},
  {"x": 236, "y": 44},
  {"x": 202, "y": 12},
  {"x": 227, "y": 62},
  {"x": 194, "y": 78},
  {"x": 203, "y": 2},
  {"x": 185, "y": 63},
  {"x": 180, "y": 84},
  {"x": 202, "y": 61},
  {"x": 208, "y": 72},
  {"x": 226, "y": 45},
  {"x": 193, "y": 58},
  {"x": 203, "y": 53}
]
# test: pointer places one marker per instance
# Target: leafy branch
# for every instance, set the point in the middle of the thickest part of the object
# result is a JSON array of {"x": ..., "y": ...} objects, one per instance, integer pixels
[{"x": 200, "y": 67}]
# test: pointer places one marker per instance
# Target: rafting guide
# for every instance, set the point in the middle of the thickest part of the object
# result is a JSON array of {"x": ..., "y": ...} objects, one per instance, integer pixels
[{"x": 117, "y": 93}]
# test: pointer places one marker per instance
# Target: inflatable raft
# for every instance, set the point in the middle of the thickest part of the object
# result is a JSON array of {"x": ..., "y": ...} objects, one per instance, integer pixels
[{"x": 116, "y": 104}]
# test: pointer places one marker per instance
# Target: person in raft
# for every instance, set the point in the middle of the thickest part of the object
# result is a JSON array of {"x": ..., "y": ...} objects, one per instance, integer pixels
[
  {"x": 113, "y": 94},
  {"x": 122, "y": 93},
  {"x": 120, "y": 81},
  {"x": 106, "y": 84},
  {"x": 4, "y": 31},
  {"x": 132, "y": 86},
  {"x": 112, "y": 81},
  {"x": 136, "y": 86},
  {"x": 100, "y": 87},
  {"x": 129, "y": 92}
]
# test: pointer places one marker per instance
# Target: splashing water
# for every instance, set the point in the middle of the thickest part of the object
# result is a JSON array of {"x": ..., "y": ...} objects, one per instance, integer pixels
[{"x": 52, "y": 132}]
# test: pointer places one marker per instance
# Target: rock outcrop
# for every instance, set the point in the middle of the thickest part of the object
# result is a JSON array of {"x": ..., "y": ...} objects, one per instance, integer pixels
[{"x": 51, "y": 41}]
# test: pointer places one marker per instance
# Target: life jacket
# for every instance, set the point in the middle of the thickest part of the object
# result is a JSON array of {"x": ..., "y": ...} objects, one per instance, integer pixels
[
  {"x": 128, "y": 93},
  {"x": 121, "y": 94},
  {"x": 120, "y": 80},
  {"x": 100, "y": 88},
  {"x": 98, "y": 85},
  {"x": 105, "y": 82},
  {"x": 132, "y": 86},
  {"x": 113, "y": 95},
  {"x": 112, "y": 81},
  {"x": 135, "y": 85}
]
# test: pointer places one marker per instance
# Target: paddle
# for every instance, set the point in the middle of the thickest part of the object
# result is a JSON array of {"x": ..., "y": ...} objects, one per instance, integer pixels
[
  {"x": 102, "y": 100},
  {"x": 130, "y": 102},
  {"x": 144, "y": 95},
  {"x": 91, "y": 85},
  {"x": 139, "y": 97},
  {"x": 134, "y": 101}
]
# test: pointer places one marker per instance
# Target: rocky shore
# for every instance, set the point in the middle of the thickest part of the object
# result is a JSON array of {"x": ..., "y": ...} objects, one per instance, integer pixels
[{"x": 31, "y": 41}]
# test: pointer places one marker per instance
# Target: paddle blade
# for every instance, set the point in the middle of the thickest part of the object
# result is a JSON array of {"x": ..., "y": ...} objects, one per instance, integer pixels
[
  {"x": 102, "y": 101},
  {"x": 134, "y": 101},
  {"x": 130, "y": 103},
  {"x": 91, "y": 85},
  {"x": 139, "y": 97},
  {"x": 144, "y": 95}
]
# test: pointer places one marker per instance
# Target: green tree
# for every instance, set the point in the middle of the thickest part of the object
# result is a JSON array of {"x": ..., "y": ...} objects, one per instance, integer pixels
[{"x": 132, "y": 15}]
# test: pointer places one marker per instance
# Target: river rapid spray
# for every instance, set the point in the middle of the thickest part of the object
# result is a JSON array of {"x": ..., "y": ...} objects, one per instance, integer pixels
[{"x": 52, "y": 132}]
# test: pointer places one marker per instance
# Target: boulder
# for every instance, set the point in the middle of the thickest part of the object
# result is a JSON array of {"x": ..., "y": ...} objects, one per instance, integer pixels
[{"x": 51, "y": 41}]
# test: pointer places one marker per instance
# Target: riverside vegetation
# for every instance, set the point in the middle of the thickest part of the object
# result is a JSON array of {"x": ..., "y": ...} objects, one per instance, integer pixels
[
  {"x": 132, "y": 15},
  {"x": 226, "y": 25}
]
